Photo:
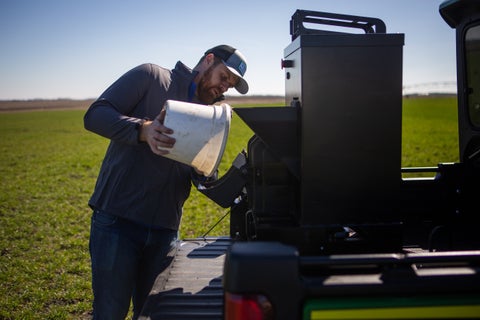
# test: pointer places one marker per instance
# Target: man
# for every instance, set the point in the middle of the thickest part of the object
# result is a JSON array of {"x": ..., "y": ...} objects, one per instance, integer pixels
[{"x": 138, "y": 198}]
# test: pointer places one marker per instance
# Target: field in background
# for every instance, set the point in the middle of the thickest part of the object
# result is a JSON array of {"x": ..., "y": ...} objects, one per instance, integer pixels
[
  {"x": 69, "y": 104},
  {"x": 48, "y": 168},
  {"x": 429, "y": 131}
]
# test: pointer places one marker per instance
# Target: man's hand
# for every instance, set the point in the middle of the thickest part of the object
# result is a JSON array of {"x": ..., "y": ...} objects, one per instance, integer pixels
[{"x": 156, "y": 135}]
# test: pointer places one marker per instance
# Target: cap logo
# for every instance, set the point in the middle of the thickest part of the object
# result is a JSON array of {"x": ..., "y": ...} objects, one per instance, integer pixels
[{"x": 242, "y": 67}]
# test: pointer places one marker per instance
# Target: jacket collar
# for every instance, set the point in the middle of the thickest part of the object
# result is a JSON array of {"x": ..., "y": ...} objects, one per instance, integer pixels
[{"x": 186, "y": 77}]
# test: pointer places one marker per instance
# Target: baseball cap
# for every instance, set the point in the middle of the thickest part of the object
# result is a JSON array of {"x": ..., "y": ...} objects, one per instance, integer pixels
[{"x": 234, "y": 61}]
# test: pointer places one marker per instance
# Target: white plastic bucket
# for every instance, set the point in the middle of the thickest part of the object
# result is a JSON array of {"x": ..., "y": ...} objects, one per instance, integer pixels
[{"x": 201, "y": 133}]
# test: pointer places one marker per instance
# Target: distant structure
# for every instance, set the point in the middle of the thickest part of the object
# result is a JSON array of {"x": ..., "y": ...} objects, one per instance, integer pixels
[{"x": 431, "y": 88}]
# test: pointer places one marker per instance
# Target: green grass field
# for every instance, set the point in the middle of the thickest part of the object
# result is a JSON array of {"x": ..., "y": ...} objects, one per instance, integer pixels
[{"x": 48, "y": 168}]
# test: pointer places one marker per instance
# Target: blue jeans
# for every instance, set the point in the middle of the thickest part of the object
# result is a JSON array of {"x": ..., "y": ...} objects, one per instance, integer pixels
[{"x": 126, "y": 260}]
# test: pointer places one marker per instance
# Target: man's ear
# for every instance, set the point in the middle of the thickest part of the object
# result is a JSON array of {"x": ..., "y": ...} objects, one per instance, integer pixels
[
  {"x": 209, "y": 59},
  {"x": 205, "y": 63}
]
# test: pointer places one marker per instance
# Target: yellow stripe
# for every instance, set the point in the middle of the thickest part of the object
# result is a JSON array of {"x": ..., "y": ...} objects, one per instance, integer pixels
[{"x": 438, "y": 312}]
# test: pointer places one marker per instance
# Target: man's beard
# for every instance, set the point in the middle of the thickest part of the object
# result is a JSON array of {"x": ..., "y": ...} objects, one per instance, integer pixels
[{"x": 204, "y": 88}]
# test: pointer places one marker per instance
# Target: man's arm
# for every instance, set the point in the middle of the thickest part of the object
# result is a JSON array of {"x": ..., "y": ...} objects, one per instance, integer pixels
[{"x": 110, "y": 115}]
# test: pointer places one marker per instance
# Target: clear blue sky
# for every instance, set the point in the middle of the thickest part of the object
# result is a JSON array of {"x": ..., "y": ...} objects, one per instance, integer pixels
[{"x": 75, "y": 49}]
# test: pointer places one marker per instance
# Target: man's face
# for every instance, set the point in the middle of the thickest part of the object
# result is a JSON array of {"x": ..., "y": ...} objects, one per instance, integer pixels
[{"x": 216, "y": 80}]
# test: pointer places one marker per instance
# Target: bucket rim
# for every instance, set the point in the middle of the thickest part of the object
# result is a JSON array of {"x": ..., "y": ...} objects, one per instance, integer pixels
[{"x": 228, "y": 116}]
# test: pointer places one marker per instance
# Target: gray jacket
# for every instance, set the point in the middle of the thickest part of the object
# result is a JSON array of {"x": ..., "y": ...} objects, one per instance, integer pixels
[{"x": 134, "y": 183}]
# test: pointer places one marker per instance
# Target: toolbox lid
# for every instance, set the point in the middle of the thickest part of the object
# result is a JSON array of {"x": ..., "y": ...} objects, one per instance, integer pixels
[{"x": 345, "y": 40}]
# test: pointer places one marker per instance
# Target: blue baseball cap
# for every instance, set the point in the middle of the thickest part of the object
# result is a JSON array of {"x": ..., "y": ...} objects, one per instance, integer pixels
[{"x": 235, "y": 61}]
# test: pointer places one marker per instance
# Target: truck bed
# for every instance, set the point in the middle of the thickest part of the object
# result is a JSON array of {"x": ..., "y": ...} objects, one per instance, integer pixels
[{"x": 192, "y": 286}]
